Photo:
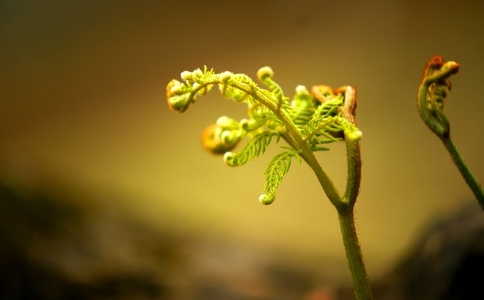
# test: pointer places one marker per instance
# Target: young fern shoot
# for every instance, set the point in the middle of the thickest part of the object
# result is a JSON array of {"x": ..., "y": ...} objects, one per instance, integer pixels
[
  {"x": 434, "y": 88},
  {"x": 307, "y": 123}
]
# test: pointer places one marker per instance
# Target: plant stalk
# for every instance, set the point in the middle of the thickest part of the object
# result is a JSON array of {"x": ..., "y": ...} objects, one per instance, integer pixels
[
  {"x": 469, "y": 178},
  {"x": 359, "y": 276},
  {"x": 344, "y": 207},
  {"x": 354, "y": 256},
  {"x": 325, "y": 182}
]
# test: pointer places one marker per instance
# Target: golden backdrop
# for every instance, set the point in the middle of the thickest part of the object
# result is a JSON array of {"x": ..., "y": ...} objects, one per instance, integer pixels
[{"x": 82, "y": 98}]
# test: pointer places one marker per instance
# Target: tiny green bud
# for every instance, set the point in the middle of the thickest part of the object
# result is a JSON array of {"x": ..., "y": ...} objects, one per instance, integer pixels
[
  {"x": 176, "y": 99},
  {"x": 245, "y": 123},
  {"x": 265, "y": 72},
  {"x": 450, "y": 65},
  {"x": 186, "y": 75},
  {"x": 178, "y": 88},
  {"x": 225, "y": 76},
  {"x": 217, "y": 140},
  {"x": 301, "y": 89},
  {"x": 229, "y": 159},
  {"x": 354, "y": 135},
  {"x": 178, "y": 103},
  {"x": 228, "y": 138},
  {"x": 225, "y": 122},
  {"x": 250, "y": 124},
  {"x": 197, "y": 73},
  {"x": 266, "y": 199},
  {"x": 211, "y": 140}
]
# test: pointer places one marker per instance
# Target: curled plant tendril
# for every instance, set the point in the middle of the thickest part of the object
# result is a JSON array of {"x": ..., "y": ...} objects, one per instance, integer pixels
[
  {"x": 305, "y": 122},
  {"x": 434, "y": 87},
  {"x": 222, "y": 136}
]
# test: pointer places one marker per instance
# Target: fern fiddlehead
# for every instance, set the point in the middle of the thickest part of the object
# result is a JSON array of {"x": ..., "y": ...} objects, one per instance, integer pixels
[
  {"x": 434, "y": 88},
  {"x": 307, "y": 121}
]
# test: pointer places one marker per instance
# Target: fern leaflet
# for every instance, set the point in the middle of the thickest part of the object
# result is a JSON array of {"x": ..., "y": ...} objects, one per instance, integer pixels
[
  {"x": 257, "y": 145},
  {"x": 278, "y": 167}
]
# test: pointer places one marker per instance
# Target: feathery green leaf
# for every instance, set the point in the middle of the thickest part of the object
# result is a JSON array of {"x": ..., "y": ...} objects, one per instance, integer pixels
[
  {"x": 278, "y": 167},
  {"x": 257, "y": 145}
]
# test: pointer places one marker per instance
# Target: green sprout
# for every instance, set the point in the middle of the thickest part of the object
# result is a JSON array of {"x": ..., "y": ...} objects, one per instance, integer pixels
[
  {"x": 434, "y": 88},
  {"x": 307, "y": 123}
]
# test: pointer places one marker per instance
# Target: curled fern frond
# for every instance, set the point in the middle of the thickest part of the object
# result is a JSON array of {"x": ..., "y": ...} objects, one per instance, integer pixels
[
  {"x": 255, "y": 147},
  {"x": 277, "y": 168},
  {"x": 307, "y": 122},
  {"x": 251, "y": 124},
  {"x": 181, "y": 95},
  {"x": 197, "y": 83},
  {"x": 265, "y": 75},
  {"x": 218, "y": 139}
]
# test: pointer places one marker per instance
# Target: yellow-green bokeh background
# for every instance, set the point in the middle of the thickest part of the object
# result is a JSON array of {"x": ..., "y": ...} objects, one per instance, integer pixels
[{"x": 82, "y": 96}]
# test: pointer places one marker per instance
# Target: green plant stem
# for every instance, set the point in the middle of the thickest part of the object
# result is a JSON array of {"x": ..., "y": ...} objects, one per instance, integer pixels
[
  {"x": 354, "y": 256},
  {"x": 353, "y": 158},
  {"x": 361, "y": 283},
  {"x": 326, "y": 183},
  {"x": 345, "y": 207},
  {"x": 469, "y": 178}
]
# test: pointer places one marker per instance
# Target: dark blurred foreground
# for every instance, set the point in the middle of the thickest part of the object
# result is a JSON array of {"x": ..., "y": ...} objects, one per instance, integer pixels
[{"x": 54, "y": 248}]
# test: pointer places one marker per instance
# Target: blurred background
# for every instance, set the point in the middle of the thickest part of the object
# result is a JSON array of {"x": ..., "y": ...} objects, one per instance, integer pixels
[{"x": 85, "y": 129}]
